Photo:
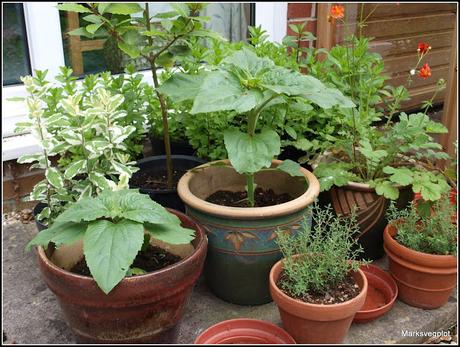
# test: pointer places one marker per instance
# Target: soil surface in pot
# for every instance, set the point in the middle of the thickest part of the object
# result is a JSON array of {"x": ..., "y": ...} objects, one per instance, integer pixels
[
  {"x": 263, "y": 197},
  {"x": 344, "y": 291},
  {"x": 152, "y": 259},
  {"x": 155, "y": 181}
]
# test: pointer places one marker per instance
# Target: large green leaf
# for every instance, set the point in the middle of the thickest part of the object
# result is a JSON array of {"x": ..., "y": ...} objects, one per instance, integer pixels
[
  {"x": 170, "y": 233},
  {"x": 132, "y": 205},
  {"x": 87, "y": 209},
  {"x": 123, "y": 8},
  {"x": 131, "y": 50},
  {"x": 222, "y": 91},
  {"x": 73, "y": 8},
  {"x": 330, "y": 174},
  {"x": 291, "y": 167},
  {"x": 402, "y": 175},
  {"x": 387, "y": 189},
  {"x": 249, "y": 154},
  {"x": 110, "y": 249},
  {"x": 246, "y": 60},
  {"x": 181, "y": 87}
]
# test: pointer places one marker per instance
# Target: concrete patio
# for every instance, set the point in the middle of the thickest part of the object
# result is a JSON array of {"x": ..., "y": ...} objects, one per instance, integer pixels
[{"x": 31, "y": 314}]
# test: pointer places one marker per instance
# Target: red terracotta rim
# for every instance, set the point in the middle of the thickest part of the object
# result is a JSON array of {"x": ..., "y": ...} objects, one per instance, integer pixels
[
  {"x": 244, "y": 331},
  {"x": 416, "y": 257},
  {"x": 202, "y": 243},
  {"x": 375, "y": 271}
]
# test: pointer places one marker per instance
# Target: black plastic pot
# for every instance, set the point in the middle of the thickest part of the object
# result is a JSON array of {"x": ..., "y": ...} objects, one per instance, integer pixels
[
  {"x": 155, "y": 164},
  {"x": 37, "y": 209},
  {"x": 292, "y": 153},
  {"x": 177, "y": 147}
]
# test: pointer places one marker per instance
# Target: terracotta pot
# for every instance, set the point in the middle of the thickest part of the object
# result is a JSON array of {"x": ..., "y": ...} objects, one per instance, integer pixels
[
  {"x": 424, "y": 280},
  {"x": 244, "y": 331},
  {"x": 313, "y": 323},
  {"x": 140, "y": 309},
  {"x": 382, "y": 292},
  {"x": 242, "y": 246},
  {"x": 370, "y": 213}
]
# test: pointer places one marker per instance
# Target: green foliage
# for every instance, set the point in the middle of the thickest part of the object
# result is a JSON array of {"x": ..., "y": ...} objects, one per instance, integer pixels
[
  {"x": 432, "y": 233},
  {"x": 320, "y": 257},
  {"x": 84, "y": 127},
  {"x": 112, "y": 226},
  {"x": 247, "y": 84}
]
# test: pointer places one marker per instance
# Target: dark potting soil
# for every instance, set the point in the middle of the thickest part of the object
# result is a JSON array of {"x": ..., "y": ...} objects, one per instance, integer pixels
[
  {"x": 262, "y": 197},
  {"x": 155, "y": 181},
  {"x": 344, "y": 291},
  {"x": 151, "y": 259}
]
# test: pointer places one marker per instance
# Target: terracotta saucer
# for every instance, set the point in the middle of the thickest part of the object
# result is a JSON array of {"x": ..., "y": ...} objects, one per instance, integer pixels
[
  {"x": 381, "y": 294},
  {"x": 244, "y": 331}
]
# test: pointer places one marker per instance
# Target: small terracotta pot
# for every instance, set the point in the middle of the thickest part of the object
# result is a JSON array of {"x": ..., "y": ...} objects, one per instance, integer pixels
[
  {"x": 244, "y": 331},
  {"x": 140, "y": 309},
  {"x": 313, "y": 323},
  {"x": 242, "y": 240},
  {"x": 424, "y": 280},
  {"x": 382, "y": 292}
]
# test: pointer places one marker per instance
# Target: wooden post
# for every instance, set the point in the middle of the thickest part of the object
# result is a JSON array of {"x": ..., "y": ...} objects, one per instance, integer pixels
[
  {"x": 76, "y": 56},
  {"x": 450, "y": 112},
  {"x": 325, "y": 33}
]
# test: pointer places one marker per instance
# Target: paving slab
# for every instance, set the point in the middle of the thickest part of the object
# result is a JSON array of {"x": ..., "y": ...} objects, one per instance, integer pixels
[{"x": 31, "y": 314}]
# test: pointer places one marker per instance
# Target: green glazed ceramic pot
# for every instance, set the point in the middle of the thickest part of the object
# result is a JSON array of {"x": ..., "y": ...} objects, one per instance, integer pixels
[{"x": 242, "y": 241}]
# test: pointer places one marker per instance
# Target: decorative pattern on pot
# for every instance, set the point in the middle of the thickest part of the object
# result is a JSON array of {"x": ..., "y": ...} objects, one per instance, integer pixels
[
  {"x": 242, "y": 241},
  {"x": 370, "y": 213},
  {"x": 241, "y": 253}
]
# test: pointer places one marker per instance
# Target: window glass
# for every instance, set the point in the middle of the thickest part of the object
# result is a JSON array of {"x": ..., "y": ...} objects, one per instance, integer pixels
[
  {"x": 15, "y": 52},
  {"x": 87, "y": 56}
]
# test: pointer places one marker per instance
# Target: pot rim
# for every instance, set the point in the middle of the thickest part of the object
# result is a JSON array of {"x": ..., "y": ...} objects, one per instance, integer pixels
[
  {"x": 247, "y": 212},
  {"x": 133, "y": 279},
  {"x": 262, "y": 325},
  {"x": 421, "y": 258},
  {"x": 305, "y": 305}
]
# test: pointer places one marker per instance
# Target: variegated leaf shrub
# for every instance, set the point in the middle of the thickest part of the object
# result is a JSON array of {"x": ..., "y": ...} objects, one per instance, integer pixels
[{"x": 85, "y": 127}]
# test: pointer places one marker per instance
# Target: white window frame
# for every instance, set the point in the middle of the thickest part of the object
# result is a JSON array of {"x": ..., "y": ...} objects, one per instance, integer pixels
[{"x": 46, "y": 52}]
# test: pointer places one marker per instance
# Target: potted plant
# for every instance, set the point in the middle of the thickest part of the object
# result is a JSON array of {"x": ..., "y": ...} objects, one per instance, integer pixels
[
  {"x": 160, "y": 39},
  {"x": 422, "y": 253},
  {"x": 222, "y": 195},
  {"x": 371, "y": 159},
  {"x": 110, "y": 261},
  {"x": 83, "y": 130},
  {"x": 318, "y": 286}
]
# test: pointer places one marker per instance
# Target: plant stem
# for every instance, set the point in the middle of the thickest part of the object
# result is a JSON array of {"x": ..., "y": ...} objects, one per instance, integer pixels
[
  {"x": 163, "y": 107},
  {"x": 250, "y": 189},
  {"x": 47, "y": 166}
]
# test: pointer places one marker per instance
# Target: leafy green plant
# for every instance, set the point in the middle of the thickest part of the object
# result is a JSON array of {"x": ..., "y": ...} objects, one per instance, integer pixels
[
  {"x": 161, "y": 41},
  {"x": 248, "y": 84},
  {"x": 364, "y": 146},
  {"x": 319, "y": 258},
  {"x": 113, "y": 226},
  {"x": 433, "y": 233},
  {"x": 83, "y": 129}
]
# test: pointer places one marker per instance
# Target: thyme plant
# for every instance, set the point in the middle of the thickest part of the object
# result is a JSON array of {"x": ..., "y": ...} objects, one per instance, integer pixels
[
  {"x": 320, "y": 257},
  {"x": 432, "y": 233}
]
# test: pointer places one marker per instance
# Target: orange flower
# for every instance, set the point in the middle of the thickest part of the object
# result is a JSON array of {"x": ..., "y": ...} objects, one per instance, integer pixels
[
  {"x": 423, "y": 48},
  {"x": 337, "y": 11},
  {"x": 425, "y": 71}
]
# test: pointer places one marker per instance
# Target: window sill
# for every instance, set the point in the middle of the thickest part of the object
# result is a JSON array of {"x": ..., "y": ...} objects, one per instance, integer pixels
[{"x": 15, "y": 146}]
